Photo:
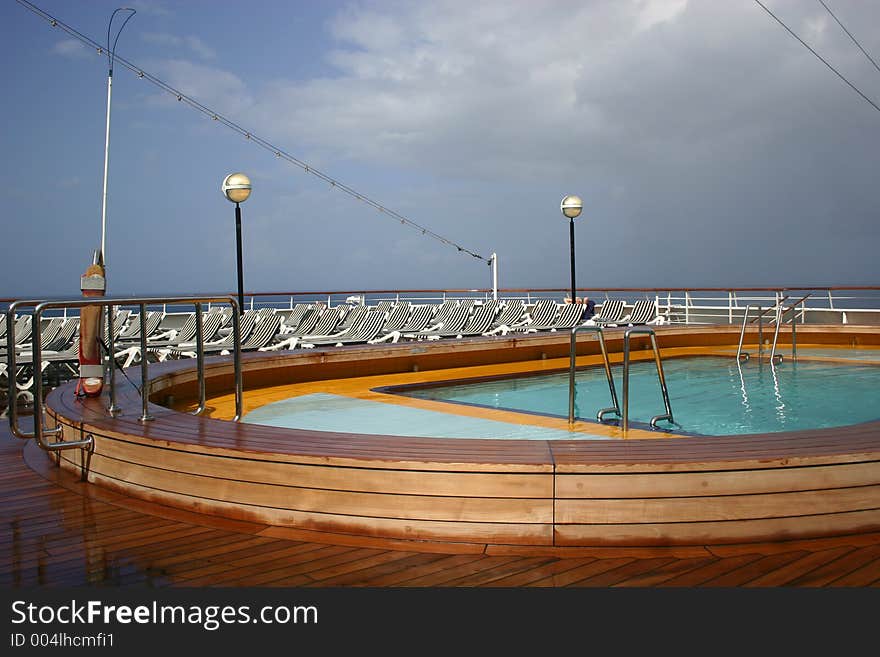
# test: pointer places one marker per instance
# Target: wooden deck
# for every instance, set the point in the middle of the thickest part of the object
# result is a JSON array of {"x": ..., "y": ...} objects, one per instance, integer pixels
[
  {"x": 213, "y": 503},
  {"x": 59, "y": 532}
]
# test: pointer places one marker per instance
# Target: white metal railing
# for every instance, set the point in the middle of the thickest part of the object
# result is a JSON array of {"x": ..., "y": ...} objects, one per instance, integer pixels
[{"x": 684, "y": 307}]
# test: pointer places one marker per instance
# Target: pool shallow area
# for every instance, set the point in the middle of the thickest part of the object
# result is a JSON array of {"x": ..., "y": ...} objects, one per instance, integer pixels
[
  {"x": 328, "y": 412},
  {"x": 711, "y": 396}
]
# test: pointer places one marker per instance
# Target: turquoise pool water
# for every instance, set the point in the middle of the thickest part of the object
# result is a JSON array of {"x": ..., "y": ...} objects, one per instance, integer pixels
[
  {"x": 326, "y": 412},
  {"x": 709, "y": 395}
]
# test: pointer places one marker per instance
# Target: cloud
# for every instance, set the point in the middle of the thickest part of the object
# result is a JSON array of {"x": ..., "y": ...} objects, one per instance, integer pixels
[
  {"x": 502, "y": 89},
  {"x": 686, "y": 125},
  {"x": 71, "y": 48},
  {"x": 467, "y": 89},
  {"x": 171, "y": 41},
  {"x": 654, "y": 12},
  {"x": 217, "y": 89},
  {"x": 69, "y": 182},
  {"x": 151, "y": 8},
  {"x": 701, "y": 130}
]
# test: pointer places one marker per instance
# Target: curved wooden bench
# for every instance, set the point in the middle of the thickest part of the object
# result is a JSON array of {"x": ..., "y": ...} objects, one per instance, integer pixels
[{"x": 693, "y": 491}]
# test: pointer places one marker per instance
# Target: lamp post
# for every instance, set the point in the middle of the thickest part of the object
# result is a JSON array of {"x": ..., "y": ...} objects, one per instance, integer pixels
[
  {"x": 236, "y": 188},
  {"x": 111, "y": 55},
  {"x": 571, "y": 207}
]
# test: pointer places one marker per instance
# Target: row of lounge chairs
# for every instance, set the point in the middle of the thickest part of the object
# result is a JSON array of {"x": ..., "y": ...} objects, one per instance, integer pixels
[
  {"x": 307, "y": 326},
  {"x": 393, "y": 322}
]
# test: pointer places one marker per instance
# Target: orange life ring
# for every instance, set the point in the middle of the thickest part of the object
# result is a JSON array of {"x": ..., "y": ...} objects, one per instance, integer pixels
[{"x": 91, "y": 372}]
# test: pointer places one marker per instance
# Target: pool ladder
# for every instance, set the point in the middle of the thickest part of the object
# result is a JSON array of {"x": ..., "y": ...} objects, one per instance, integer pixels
[
  {"x": 624, "y": 416},
  {"x": 780, "y": 313}
]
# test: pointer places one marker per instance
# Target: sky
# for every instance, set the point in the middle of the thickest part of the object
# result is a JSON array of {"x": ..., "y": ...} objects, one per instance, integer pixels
[{"x": 710, "y": 148}]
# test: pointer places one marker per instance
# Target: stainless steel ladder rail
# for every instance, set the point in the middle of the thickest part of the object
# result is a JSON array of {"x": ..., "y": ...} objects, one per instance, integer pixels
[
  {"x": 571, "y": 368},
  {"x": 780, "y": 313},
  {"x": 41, "y": 433},
  {"x": 626, "y": 341},
  {"x": 739, "y": 352}
]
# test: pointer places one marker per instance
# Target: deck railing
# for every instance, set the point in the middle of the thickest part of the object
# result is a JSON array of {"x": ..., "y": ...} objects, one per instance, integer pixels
[
  {"x": 41, "y": 433},
  {"x": 826, "y": 305}
]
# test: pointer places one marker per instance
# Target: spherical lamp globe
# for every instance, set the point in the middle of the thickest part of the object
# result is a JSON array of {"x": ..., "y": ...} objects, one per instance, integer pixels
[
  {"x": 571, "y": 206},
  {"x": 236, "y": 187}
]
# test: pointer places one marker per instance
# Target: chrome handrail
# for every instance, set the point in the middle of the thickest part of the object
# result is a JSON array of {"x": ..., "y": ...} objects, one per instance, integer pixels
[
  {"x": 36, "y": 338},
  {"x": 780, "y": 313},
  {"x": 40, "y": 432},
  {"x": 626, "y": 338},
  {"x": 739, "y": 352},
  {"x": 571, "y": 388}
]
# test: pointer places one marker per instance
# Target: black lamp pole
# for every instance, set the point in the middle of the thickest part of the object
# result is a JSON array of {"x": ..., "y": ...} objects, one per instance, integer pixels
[
  {"x": 571, "y": 207},
  {"x": 571, "y": 242},
  {"x": 238, "y": 247},
  {"x": 236, "y": 188}
]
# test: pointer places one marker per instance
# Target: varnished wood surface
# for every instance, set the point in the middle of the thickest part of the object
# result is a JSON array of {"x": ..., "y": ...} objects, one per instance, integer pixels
[
  {"x": 499, "y": 493},
  {"x": 59, "y": 532}
]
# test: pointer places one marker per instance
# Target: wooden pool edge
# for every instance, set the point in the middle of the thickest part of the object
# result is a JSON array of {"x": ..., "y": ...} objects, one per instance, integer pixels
[{"x": 506, "y": 494}]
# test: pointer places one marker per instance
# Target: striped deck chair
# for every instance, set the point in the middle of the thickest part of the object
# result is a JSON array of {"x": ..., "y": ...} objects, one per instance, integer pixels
[
  {"x": 512, "y": 313},
  {"x": 468, "y": 303},
  {"x": 353, "y": 315},
  {"x": 317, "y": 323},
  {"x": 569, "y": 316},
  {"x": 186, "y": 333},
  {"x": 226, "y": 312},
  {"x": 48, "y": 334},
  {"x": 384, "y": 306},
  {"x": 49, "y": 363},
  {"x": 477, "y": 324},
  {"x": 644, "y": 312},
  {"x": 542, "y": 317},
  {"x": 611, "y": 313},
  {"x": 246, "y": 327},
  {"x": 364, "y": 331},
  {"x": 397, "y": 317},
  {"x": 120, "y": 320},
  {"x": 291, "y": 321},
  {"x": 330, "y": 322},
  {"x": 22, "y": 330},
  {"x": 210, "y": 330},
  {"x": 265, "y": 312},
  {"x": 64, "y": 337},
  {"x": 133, "y": 330},
  {"x": 441, "y": 313},
  {"x": 453, "y": 324},
  {"x": 261, "y": 334},
  {"x": 308, "y": 322},
  {"x": 50, "y": 331},
  {"x": 422, "y": 316}
]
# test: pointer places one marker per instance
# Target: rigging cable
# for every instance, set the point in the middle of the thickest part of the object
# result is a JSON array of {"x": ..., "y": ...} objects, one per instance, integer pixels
[
  {"x": 854, "y": 40},
  {"x": 250, "y": 136},
  {"x": 822, "y": 59}
]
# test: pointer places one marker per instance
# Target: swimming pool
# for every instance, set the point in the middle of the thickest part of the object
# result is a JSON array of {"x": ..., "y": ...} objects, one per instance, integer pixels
[
  {"x": 644, "y": 488},
  {"x": 709, "y": 395}
]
